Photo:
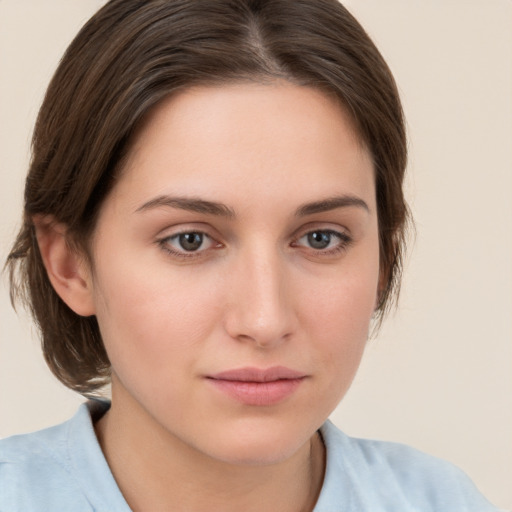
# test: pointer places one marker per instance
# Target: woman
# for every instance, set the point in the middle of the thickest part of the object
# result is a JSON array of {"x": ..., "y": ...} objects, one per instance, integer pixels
[{"x": 213, "y": 217}]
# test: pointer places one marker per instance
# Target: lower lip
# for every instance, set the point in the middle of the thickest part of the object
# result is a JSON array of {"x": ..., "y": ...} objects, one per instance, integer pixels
[{"x": 258, "y": 393}]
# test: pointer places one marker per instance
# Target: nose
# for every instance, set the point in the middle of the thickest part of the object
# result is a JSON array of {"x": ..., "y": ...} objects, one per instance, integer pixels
[{"x": 261, "y": 308}]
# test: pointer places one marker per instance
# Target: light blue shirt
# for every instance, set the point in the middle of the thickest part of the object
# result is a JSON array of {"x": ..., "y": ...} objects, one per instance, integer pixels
[{"x": 62, "y": 469}]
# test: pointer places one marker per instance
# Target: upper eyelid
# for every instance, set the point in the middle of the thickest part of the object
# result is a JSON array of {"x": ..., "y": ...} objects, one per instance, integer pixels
[
  {"x": 321, "y": 226},
  {"x": 340, "y": 234},
  {"x": 188, "y": 231},
  {"x": 343, "y": 237},
  {"x": 179, "y": 229},
  {"x": 209, "y": 231}
]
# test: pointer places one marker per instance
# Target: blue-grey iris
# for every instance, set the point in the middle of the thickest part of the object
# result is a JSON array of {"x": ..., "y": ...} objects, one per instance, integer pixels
[{"x": 319, "y": 239}]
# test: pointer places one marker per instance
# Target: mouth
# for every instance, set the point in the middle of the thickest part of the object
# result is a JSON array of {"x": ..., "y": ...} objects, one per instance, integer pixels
[{"x": 258, "y": 387}]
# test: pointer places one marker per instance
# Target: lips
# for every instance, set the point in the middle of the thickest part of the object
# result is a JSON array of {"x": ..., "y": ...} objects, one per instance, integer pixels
[{"x": 258, "y": 387}]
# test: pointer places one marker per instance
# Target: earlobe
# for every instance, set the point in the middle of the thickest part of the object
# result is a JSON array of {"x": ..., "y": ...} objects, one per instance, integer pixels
[{"x": 67, "y": 269}]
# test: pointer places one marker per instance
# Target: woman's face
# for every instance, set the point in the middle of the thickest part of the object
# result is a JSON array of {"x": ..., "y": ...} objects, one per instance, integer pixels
[{"x": 236, "y": 266}]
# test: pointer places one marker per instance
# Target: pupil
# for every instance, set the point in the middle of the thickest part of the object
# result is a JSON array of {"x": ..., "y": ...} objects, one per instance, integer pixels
[
  {"x": 191, "y": 241},
  {"x": 319, "y": 239}
]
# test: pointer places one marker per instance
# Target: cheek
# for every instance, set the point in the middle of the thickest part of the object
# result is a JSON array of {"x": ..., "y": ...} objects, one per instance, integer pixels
[
  {"x": 343, "y": 305},
  {"x": 338, "y": 317},
  {"x": 153, "y": 316}
]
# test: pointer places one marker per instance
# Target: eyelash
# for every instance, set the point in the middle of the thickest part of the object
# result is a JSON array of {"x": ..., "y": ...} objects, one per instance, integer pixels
[
  {"x": 344, "y": 242},
  {"x": 165, "y": 245}
]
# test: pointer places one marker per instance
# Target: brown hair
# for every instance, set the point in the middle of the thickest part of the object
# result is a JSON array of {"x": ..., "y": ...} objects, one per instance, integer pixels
[{"x": 128, "y": 57}]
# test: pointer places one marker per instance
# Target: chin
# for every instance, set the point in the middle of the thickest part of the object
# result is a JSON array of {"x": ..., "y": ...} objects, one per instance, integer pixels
[
  {"x": 259, "y": 443},
  {"x": 256, "y": 455}
]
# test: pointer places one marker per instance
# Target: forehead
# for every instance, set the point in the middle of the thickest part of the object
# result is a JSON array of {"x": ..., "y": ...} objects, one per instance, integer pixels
[
  {"x": 271, "y": 136},
  {"x": 207, "y": 109}
]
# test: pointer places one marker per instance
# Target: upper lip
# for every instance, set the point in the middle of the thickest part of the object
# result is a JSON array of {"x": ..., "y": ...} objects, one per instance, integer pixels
[{"x": 250, "y": 374}]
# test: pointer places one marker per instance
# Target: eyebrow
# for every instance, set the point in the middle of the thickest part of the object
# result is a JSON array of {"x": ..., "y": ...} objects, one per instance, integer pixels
[
  {"x": 213, "y": 208},
  {"x": 191, "y": 204},
  {"x": 331, "y": 203}
]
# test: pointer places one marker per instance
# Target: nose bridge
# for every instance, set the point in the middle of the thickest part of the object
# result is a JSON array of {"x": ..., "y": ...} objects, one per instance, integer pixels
[{"x": 261, "y": 308}]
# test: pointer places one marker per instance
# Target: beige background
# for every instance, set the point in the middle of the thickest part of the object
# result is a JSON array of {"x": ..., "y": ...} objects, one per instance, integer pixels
[{"x": 439, "y": 375}]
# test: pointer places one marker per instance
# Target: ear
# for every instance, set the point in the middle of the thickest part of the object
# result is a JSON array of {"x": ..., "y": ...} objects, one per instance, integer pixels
[{"x": 67, "y": 270}]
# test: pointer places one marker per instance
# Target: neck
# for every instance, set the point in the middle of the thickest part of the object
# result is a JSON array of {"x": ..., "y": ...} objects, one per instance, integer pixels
[{"x": 156, "y": 471}]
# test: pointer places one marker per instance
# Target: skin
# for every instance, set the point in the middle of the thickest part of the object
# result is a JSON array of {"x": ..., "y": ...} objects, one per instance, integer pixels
[{"x": 256, "y": 293}]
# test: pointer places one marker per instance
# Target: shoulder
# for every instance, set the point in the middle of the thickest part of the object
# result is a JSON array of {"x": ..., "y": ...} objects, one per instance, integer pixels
[
  {"x": 393, "y": 476},
  {"x": 38, "y": 471},
  {"x": 36, "y": 474}
]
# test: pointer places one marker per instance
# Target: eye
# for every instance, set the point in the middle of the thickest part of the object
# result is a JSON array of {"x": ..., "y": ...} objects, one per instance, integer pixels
[
  {"x": 326, "y": 241},
  {"x": 187, "y": 243},
  {"x": 190, "y": 241},
  {"x": 319, "y": 239}
]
